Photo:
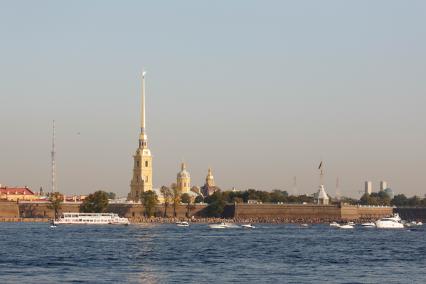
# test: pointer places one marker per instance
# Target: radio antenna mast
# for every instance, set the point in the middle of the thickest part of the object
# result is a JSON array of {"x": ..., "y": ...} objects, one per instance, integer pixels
[
  {"x": 53, "y": 159},
  {"x": 338, "y": 188}
]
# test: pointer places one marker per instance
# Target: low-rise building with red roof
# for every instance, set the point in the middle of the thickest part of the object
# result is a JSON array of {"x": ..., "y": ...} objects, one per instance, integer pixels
[{"x": 17, "y": 193}]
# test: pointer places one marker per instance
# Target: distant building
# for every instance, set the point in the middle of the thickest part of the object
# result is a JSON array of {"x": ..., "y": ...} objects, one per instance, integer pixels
[
  {"x": 17, "y": 193},
  {"x": 253, "y": 201},
  {"x": 368, "y": 187},
  {"x": 209, "y": 187},
  {"x": 196, "y": 189},
  {"x": 383, "y": 185},
  {"x": 74, "y": 198},
  {"x": 183, "y": 180},
  {"x": 389, "y": 192}
]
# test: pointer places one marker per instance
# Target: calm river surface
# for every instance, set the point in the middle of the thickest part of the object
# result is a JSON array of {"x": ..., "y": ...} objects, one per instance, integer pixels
[{"x": 36, "y": 253}]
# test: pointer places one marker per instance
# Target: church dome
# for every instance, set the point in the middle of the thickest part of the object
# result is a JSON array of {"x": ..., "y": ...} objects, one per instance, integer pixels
[{"x": 183, "y": 173}]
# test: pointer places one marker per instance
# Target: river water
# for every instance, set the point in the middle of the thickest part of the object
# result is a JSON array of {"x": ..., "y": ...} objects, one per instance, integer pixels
[{"x": 36, "y": 253}]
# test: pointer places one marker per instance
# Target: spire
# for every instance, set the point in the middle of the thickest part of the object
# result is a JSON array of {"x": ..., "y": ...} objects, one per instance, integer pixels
[
  {"x": 143, "y": 137},
  {"x": 183, "y": 167},
  {"x": 210, "y": 178}
]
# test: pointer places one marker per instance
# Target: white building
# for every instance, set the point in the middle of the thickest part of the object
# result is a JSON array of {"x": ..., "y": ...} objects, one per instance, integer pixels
[
  {"x": 383, "y": 185},
  {"x": 322, "y": 197},
  {"x": 368, "y": 187}
]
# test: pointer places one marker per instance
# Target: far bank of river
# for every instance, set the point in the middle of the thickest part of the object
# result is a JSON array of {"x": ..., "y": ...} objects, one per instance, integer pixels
[{"x": 171, "y": 220}]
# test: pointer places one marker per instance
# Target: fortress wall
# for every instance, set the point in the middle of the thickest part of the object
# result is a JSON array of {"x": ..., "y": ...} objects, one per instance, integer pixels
[
  {"x": 349, "y": 212},
  {"x": 374, "y": 212},
  {"x": 266, "y": 211},
  {"x": 42, "y": 210},
  {"x": 9, "y": 209},
  {"x": 288, "y": 211},
  {"x": 136, "y": 211},
  {"x": 412, "y": 214}
]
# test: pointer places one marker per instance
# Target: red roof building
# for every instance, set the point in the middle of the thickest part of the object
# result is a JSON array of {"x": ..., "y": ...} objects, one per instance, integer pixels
[{"x": 16, "y": 193}]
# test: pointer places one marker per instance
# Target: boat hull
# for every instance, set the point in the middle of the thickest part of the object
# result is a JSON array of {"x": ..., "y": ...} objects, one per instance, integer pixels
[{"x": 389, "y": 225}]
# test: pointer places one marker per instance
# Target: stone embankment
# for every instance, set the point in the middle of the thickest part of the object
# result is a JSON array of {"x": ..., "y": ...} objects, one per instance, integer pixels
[
  {"x": 35, "y": 220},
  {"x": 259, "y": 220}
]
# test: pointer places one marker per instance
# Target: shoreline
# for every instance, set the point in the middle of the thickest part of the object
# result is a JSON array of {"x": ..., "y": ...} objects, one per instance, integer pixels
[{"x": 171, "y": 220}]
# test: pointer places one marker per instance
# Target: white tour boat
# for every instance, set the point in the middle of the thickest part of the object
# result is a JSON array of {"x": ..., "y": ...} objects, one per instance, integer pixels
[
  {"x": 91, "y": 219},
  {"x": 393, "y": 222}
]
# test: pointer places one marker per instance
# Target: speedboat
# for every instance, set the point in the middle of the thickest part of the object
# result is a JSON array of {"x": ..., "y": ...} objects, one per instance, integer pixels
[
  {"x": 304, "y": 225},
  {"x": 218, "y": 226},
  {"x": 419, "y": 223},
  {"x": 223, "y": 225},
  {"x": 334, "y": 224},
  {"x": 393, "y": 222},
  {"x": 346, "y": 226},
  {"x": 248, "y": 226},
  {"x": 182, "y": 224},
  {"x": 351, "y": 223},
  {"x": 368, "y": 225}
]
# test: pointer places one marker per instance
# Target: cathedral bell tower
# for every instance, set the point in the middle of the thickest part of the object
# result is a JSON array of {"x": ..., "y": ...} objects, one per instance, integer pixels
[{"x": 142, "y": 160}]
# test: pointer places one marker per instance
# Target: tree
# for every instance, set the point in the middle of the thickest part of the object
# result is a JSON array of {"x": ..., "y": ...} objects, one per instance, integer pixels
[
  {"x": 167, "y": 196},
  {"x": 111, "y": 195},
  {"x": 56, "y": 200},
  {"x": 414, "y": 201},
  {"x": 400, "y": 200},
  {"x": 199, "y": 199},
  {"x": 216, "y": 204},
  {"x": 185, "y": 198},
  {"x": 149, "y": 201},
  {"x": 365, "y": 199},
  {"x": 95, "y": 203},
  {"x": 175, "y": 197},
  {"x": 278, "y": 196}
]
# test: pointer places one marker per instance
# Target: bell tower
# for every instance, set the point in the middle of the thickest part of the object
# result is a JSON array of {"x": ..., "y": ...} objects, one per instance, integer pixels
[{"x": 142, "y": 160}]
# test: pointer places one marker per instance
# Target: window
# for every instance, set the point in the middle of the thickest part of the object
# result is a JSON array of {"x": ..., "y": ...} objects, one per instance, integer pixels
[
  {"x": 146, "y": 163},
  {"x": 137, "y": 164},
  {"x": 146, "y": 179}
]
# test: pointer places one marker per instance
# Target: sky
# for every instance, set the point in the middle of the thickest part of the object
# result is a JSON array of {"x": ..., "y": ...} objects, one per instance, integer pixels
[{"x": 260, "y": 91}]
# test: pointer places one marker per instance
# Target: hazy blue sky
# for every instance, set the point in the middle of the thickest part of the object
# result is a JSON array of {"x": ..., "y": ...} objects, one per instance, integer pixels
[{"x": 260, "y": 91}]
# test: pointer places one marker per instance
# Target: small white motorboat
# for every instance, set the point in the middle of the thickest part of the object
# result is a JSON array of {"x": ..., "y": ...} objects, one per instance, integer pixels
[
  {"x": 351, "y": 223},
  {"x": 248, "y": 226},
  {"x": 368, "y": 225},
  {"x": 224, "y": 226},
  {"x": 52, "y": 226},
  {"x": 346, "y": 226},
  {"x": 419, "y": 223},
  {"x": 218, "y": 226},
  {"x": 334, "y": 224},
  {"x": 304, "y": 225},
  {"x": 182, "y": 224}
]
